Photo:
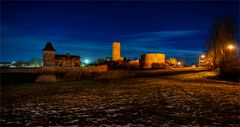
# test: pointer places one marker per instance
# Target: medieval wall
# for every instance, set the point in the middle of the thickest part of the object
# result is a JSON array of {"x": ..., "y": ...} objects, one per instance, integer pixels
[{"x": 147, "y": 60}]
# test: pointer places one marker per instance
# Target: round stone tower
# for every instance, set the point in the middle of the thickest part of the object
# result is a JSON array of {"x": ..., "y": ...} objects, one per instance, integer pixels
[{"x": 49, "y": 55}]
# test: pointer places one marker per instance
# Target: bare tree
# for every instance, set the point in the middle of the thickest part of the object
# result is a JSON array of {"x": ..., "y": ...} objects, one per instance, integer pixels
[{"x": 222, "y": 34}]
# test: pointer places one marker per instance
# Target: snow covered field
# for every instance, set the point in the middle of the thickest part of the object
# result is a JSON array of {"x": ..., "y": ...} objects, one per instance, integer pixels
[{"x": 186, "y": 99}]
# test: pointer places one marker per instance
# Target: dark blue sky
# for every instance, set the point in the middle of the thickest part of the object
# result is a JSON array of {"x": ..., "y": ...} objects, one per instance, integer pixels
[{"x": 178, "y": 29}]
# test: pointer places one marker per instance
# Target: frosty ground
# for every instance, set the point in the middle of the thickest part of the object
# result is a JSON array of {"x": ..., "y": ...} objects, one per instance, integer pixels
[{"x": 190, "y": 99}]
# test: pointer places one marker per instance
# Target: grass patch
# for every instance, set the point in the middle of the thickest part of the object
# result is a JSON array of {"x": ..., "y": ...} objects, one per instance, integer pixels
[{"x": 171, "y": 100}]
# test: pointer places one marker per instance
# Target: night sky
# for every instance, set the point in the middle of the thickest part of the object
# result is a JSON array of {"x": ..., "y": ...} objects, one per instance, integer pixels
[{"x": 87, "y": 29}]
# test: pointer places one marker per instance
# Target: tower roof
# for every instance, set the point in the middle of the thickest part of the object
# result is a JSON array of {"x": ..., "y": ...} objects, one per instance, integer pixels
[{"x": 49, "y": 47}]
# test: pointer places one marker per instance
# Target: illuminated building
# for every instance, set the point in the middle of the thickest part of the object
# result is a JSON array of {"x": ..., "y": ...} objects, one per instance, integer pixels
[
  {"x": 116, "y": 49},
  {"x": 52, "y": 59},
  {"x": 147, "y": 60}
]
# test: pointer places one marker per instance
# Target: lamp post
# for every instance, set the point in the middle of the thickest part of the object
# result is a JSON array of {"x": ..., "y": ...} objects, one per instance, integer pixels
[
  {"x": 233, "y": 50},
  {"x": 230, "y": 47},
  {"x": 86, "y": 61},
  {"x": 179, "y": 64},
  {"x": 200, "y": 58}
]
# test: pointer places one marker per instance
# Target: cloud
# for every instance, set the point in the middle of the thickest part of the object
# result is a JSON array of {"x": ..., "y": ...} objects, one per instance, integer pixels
[
  {"x": 165, "y": 33},
  {"x": 161, "y": 41},
  {"x": 86, "y": 49},
  {"x": 176, "y": 39},
  {"x": 159, "y": 35}
]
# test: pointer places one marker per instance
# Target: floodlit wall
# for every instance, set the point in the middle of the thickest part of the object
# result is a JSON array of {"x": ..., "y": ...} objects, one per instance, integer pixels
[{"x": 147, "y": 60}]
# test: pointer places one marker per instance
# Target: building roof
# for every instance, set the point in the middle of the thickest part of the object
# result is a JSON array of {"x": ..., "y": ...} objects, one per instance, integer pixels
[
  {"x": 67, "y": 55},
  {"x": 49, "y": 47}
]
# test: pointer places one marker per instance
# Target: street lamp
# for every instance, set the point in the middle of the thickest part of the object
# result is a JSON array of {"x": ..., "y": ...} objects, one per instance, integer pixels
[
  {"x": 86, "y": 61},
  {"x": 203, "y": 56},
  {"x": 230, "y": 47},
  {"x": 179, "y": 63}
]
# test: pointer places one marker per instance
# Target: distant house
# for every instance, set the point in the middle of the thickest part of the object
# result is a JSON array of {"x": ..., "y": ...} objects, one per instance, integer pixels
[
  {"x": 16, "y": 64},
  {"x": 52, "y": 59},
  {"x": 5, "y": 64}
]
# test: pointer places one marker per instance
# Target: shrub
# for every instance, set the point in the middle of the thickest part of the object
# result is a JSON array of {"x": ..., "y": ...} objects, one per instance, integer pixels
[
  {"x": 160, "y": 66},
  {"x": 134, "y": 66},
  {"x": 118, "y": 65},
  {"x": 172, "y": 61},
  {"x": 230, "y": 69}
]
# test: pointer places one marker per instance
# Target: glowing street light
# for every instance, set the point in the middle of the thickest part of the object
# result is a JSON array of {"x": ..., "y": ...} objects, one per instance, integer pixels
[
  {"x": 201, "y": 59},
  {"x": 86, "y": 61},
  {"x": 230, "y": 47},
  {"x": 203, "y": 56},
  {"x": 179, "y": 63}
]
